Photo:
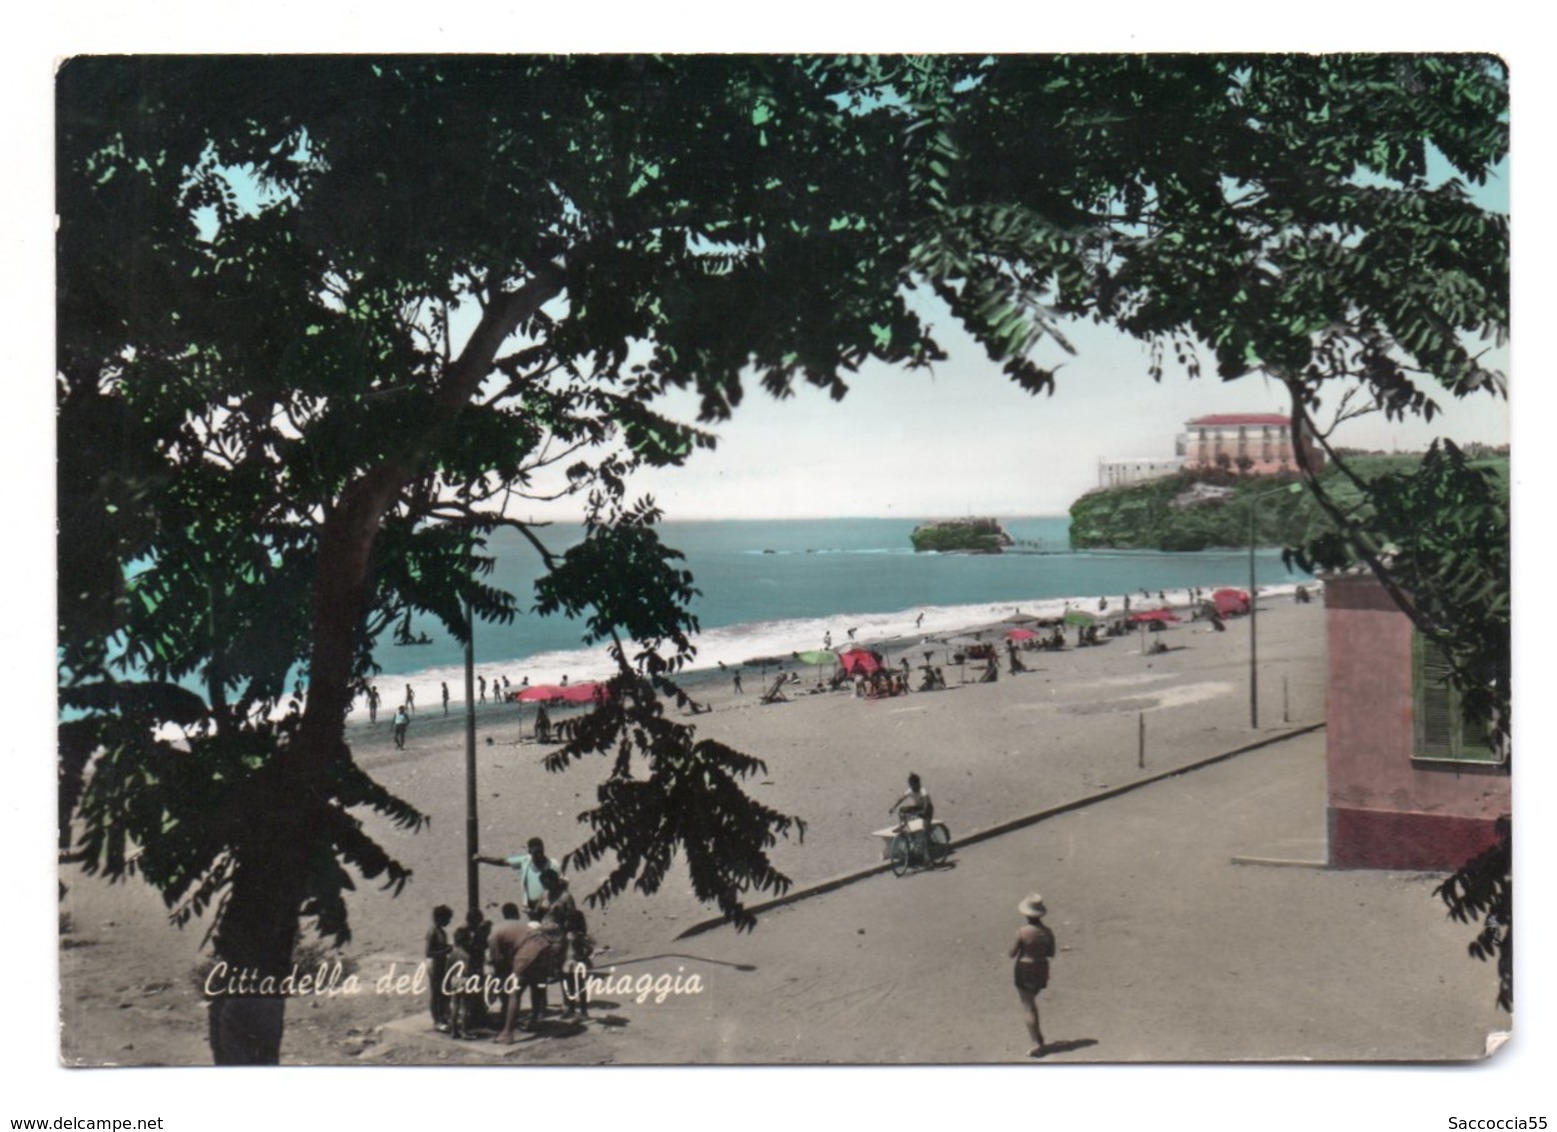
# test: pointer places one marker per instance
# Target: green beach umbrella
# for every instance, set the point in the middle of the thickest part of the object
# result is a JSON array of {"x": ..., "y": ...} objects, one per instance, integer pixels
[
  {"x": 817, "y": 657},
  {"x": 1079, "y": 617}
]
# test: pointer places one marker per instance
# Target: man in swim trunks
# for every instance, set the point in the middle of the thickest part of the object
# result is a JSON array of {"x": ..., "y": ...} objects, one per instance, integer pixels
[
  {"x": 513, "y": 947},
  {"x": 1033, "y": 949}
]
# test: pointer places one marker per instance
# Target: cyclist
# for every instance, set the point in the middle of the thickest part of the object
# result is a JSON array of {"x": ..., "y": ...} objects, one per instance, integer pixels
[{"x": 915, "y": 802}]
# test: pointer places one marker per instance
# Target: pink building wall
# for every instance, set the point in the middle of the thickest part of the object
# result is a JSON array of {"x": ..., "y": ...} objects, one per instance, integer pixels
[
  {"x": 1264, "y": 439},
  {"x": 1388, "y": 810}
]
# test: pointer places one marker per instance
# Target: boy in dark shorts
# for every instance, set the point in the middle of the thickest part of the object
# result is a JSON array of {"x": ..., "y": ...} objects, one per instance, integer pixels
[{"x": 438, "y": 953}]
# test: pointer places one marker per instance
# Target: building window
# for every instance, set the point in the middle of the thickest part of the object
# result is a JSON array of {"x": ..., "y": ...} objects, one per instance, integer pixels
[{"x": 1442, "y": 732}]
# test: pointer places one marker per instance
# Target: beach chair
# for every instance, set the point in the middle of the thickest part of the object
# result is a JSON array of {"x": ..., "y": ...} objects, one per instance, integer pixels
[{"x": 775, "y": 694}]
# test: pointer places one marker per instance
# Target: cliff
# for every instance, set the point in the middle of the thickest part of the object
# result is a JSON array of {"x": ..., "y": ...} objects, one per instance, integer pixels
[
  {"x": 1186, "y": 512},
  {"x": 1199, "y": 511}
]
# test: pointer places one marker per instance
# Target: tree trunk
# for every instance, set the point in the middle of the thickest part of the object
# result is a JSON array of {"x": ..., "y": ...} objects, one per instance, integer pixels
[
  {"x": 258, "y": 925},
  {"x": 257, "y": 935}
]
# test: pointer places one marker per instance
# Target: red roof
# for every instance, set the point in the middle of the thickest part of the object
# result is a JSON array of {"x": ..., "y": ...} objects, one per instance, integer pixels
[{"x": 1239, "y": 419}]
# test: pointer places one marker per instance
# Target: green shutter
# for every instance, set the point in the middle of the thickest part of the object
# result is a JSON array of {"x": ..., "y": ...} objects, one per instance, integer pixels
[{"x": 1442, "y": 731}]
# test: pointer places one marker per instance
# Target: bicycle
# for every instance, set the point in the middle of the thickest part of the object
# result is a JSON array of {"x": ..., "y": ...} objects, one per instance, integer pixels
[{"x": 911, "y": 846}]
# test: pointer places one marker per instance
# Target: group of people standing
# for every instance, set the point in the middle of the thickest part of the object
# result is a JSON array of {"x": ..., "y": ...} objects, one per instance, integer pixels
[
  {"x": 547, "y": 939},
  {"x": 530, "y": 947},
  {"x": 401, "y": 723}
]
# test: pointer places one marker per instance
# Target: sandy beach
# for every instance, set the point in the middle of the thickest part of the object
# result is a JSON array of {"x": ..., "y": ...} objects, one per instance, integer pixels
[{"x": 989, "y": 753}]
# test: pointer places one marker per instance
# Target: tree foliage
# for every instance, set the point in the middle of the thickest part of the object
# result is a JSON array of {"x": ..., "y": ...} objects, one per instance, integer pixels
[{"x": 323, "y": 320}]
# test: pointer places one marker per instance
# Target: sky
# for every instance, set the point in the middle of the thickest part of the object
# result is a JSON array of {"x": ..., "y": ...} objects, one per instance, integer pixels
[
  {"x": 1014, "y": 455},
  {"x": 963, "y": 438}
]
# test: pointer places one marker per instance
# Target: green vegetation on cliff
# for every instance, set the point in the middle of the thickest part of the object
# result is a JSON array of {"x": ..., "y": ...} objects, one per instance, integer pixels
[
  {"x": 1144, "y": 516},
  {"x": 968, "y": 536}
]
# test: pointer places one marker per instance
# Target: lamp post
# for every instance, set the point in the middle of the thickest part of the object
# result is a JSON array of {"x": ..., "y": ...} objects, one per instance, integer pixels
[
  {"x": 472, "y": 829},
  {"x": 472, "y": 838},
  {"x": 1254, "y": 605}
]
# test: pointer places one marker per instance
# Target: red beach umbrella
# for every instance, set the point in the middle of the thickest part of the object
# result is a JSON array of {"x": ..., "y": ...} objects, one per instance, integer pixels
[
  {"x": 861, "y": 662},
  {"x": 573, "y": 693},
  {"x": 1020, "y": 635},
  {"x": 539, "y": 692},
  {"x": 1230, "y": 601}
]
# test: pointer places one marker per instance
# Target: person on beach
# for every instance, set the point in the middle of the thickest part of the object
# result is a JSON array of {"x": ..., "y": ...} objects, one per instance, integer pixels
[
  {"x": 542, "y": 725},
  {"x": 402, "y": 721},
  {"x": 529, "y": 955},
  {"x": 919, "y": 621},
  {"x": 1016, "y": 661},
  {"x": 438, "y": 951},
  {"x": 827, "y": 639},
  {"x": 557, "y": 910},
  {"x": 737, "y": 683},
  {"x": 564, "y": 679},
  {"x": 511, "y": 948},
  {"x": 476, "y": 934},
  {"x": 529, "y": 866},
  {"x": 445, "y": 697},
  {"x": 852, "y": 632},
  {"x": 481, "y": 685},
  {"x": 372, "y": 704},
  {"x": 557, "y": 915},
  {"x": 1033, "y": 949},
  {"x": 576, "y": 969},
  {"x": 915, "y": 802},
  {"x": 410, "y": 699},
  {"x": 465, "y": 1010}
]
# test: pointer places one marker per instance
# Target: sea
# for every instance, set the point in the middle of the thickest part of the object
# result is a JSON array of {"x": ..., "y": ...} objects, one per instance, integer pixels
[{"x": 768, "y": 589}]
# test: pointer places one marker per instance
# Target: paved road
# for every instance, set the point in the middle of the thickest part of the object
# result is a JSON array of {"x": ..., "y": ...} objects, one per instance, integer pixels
[{"x": 1170, "y": 950}]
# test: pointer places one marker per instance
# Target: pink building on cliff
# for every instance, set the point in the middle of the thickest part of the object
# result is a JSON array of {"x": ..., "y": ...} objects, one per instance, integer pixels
[
  {"x": 1411, "y": 786},
  {"x": 1258, "y": 444}
]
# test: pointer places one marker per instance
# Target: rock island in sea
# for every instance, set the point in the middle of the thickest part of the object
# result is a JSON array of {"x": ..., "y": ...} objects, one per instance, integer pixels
[{"x": 965, "y": 536}]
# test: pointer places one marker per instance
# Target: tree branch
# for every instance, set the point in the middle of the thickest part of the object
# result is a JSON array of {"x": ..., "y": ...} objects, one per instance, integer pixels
[{"x": 1347, "y": 528}]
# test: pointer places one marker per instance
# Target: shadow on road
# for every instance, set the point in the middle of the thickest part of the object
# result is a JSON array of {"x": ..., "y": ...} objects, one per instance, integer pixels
[
  {"x": 1066, "y": 1047},
  {"x": 678, "y": 955}
]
